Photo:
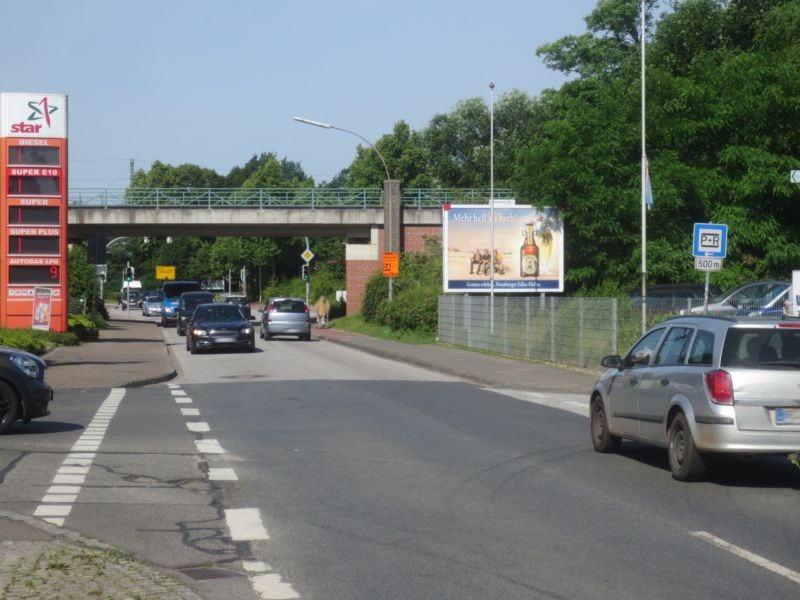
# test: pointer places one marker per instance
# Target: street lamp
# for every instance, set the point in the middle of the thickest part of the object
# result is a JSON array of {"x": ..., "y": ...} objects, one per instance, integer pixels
[
  {"x": 358, "y": 135},
  {"x": 390, "y": 188}
]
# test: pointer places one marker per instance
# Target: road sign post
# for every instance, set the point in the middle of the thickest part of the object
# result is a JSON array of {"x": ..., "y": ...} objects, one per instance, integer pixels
[{"x": 709, "y": 247}]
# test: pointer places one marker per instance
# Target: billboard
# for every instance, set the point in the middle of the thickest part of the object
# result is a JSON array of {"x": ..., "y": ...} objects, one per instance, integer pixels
[{"x": 528, "y": 249}]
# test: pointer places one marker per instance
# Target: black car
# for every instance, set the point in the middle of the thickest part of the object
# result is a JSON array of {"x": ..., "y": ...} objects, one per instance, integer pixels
[
  {"x": 242, "y": 302},
  {"x": 188, "y": 302},
  {"x": 220, "y": 325},
  {"x": 134, "y": 296},
  {"x": 23, "y": 392}
]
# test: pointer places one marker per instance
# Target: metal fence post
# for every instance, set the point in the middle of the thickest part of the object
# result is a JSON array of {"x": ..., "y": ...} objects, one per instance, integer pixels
[
  {"x": 528, "y": 327},
  {"x": 552, "y": 329},
  {"x": 614, "y": 326},
  {"x": 580, "y": 332},
  {"x": 505, "y": 326}
]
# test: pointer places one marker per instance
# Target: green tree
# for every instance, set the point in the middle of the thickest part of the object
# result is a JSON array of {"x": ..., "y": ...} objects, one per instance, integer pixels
[
  {"x": 405, "y": 156},
  {"x": 163, "y": 175}
]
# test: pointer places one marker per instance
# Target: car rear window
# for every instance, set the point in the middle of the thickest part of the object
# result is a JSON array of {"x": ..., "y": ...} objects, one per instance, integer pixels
[
  {"x": 761, "y": 348},
  {"x": 289, "y": 306},
  {"x": 195, "y": 301},
  {"x": 219, "y": 313}
]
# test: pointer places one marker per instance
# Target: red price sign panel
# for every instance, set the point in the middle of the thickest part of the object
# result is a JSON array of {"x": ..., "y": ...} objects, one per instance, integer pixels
[{"x": 391, "y": 264}]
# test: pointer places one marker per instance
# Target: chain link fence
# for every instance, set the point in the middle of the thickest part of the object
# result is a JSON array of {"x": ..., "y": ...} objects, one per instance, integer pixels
[{"x": 571, "y": 331}]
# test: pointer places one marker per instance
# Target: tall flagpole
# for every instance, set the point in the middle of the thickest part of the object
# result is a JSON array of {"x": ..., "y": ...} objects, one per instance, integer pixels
[
  {"x": 491, "y": 208},
  {"x": 644, "y": 182}
]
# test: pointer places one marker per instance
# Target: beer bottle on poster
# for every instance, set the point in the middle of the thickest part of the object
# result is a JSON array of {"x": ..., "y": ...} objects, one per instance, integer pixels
[{"x": 529, "y": 253}]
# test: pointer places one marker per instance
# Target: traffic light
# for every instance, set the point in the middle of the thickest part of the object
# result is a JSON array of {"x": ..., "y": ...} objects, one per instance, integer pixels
[
  {"x": 306, "y": 276},
  {"x": 129, "y": 273}
]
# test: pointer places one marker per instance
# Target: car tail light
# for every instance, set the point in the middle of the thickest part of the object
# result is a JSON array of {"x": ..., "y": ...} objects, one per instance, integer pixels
[
  {"x": 719, "y": 386},
  {"x": 790, "y": 324}
]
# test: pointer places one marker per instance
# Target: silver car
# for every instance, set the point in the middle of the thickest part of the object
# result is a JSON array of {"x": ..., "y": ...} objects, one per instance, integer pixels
[
  {"x": 760, "y": 298},
  {"x": 703, "y": 385},
  {"x": 151, "y": 305},
  {"x": 286, "y": 316}
]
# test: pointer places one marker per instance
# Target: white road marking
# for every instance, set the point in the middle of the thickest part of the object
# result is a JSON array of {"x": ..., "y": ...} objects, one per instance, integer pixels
[
  {"x": 209, "y": 447},
  {"x": 59, "y": 499},
  {"x": 574, "y": 403},
  {"x": 245, "y": 524},
  {"x": 70, "y": 479},
  {"x": 183, "y": 400},
  {"x": 255, "y": 566},
  {"x": 222, "y": 475},
  {"x": 177, "y": 392},
  {"x": 73, "y": 470},
  {"x": 63, "y": 489},
  {"x": 749, "y": 556},
  {"x": 190, "y": 412},
  {"x": 271, "y": 587},
  {"x": 52, "y": 510},
  {"x": 198, "y": 426}
]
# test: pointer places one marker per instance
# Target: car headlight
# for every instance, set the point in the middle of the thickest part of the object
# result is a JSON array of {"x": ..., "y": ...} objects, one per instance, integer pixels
[
  {"x": 169, "y": 309},
  {"x": 199, "y": 332},
  {"x": 27, "y": 365},
  {"x": 247, "y": 330}
]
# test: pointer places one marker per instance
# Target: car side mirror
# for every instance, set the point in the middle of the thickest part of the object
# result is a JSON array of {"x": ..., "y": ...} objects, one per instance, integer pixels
[{"x": 612, "y": 361}]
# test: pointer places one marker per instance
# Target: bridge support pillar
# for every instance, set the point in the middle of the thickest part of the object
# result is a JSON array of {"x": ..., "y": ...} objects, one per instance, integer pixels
[{"x": 362, "y": 259}]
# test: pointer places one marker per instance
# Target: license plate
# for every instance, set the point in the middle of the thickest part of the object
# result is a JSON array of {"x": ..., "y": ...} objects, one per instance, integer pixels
[
  {"x": 787, "y": 416},
  {"x": 226, "y": 340}
]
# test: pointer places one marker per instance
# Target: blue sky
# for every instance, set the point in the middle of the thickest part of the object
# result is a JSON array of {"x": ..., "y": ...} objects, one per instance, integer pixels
[{"x": 212, "y": 83}]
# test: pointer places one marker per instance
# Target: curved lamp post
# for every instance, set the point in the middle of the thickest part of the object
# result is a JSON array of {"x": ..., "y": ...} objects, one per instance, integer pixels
[{"x": 389, "y": 186}]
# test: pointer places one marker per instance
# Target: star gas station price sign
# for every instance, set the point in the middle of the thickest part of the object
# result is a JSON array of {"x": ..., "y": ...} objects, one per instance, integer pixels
[{"x": 33, "y": 207}]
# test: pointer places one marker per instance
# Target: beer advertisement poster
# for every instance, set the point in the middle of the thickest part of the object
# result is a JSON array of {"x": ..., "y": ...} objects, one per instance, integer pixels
[{"x": 528, "y": 249}]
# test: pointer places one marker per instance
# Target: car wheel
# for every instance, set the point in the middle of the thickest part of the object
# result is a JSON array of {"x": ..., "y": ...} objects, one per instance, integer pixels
[
  {"x": 602, "y": 439},
  {"x": 685, "y": 462},
  {"x": 188, "y": 345},
  {"x": 9, "y": 407},
  {"x": 266, "y": 334},
  {"x": 193, "y": 349}
]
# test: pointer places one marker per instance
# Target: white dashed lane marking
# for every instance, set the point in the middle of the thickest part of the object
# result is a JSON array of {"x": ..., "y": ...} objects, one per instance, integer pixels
[
  {"x": 66, "y": 485},
  {"x": 244, "y": 524}
]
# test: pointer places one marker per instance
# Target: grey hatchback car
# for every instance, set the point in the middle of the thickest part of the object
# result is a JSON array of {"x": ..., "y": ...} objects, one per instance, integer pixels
[
  {"x": 703, "y": 385},
  {"x": 286, "y": 316}
]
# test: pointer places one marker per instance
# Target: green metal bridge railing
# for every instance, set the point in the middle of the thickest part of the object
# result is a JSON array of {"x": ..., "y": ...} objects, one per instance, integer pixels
[{"x": 271, "y": 197}]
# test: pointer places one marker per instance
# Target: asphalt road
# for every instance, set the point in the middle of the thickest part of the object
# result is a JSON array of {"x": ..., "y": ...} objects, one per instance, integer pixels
[{"x": 316, "y": 471}]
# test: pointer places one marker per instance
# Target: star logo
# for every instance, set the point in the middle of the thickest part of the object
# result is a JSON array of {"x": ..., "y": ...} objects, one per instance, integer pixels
[{"x": 41, "y": 110}]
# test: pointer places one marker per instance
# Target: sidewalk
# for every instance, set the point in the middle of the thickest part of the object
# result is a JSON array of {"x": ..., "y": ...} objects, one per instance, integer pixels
[
  {"x": 128, "y": 353},
  {"x": 39, "y": 560}
]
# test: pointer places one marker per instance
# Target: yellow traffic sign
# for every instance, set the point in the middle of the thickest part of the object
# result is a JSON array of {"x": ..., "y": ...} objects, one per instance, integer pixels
[{"x": 165, "y": 272}]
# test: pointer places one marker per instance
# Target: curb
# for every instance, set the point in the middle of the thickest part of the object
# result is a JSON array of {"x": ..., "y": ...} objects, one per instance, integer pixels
[{"x": 76, "y": 539}]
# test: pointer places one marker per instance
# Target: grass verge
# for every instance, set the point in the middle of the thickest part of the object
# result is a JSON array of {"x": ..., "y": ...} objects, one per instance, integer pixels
[{"x": 356, "y": 324}]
